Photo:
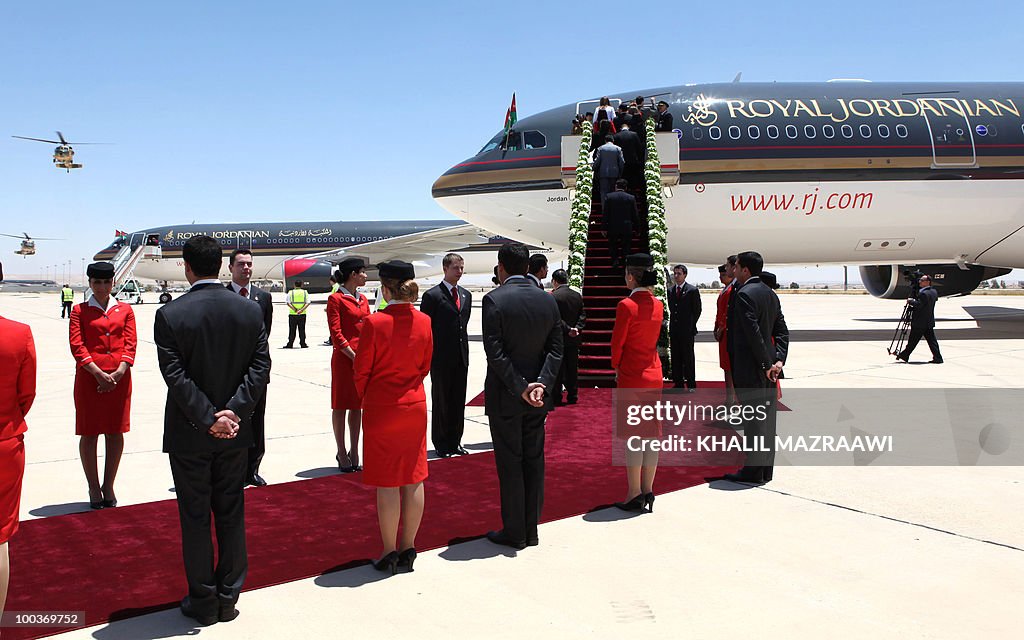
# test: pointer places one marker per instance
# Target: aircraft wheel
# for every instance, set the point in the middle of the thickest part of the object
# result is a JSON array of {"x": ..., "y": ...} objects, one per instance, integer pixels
[{"x": 165, "y": 298}]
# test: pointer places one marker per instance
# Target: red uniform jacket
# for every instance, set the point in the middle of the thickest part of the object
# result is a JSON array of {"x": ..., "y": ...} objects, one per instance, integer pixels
[
  {"x": 394, "y": 353},
  {"x": 107, "y": 339},
  {"x": 345, "y": 316},
  {"x": 17, "y": 376},
  {"x": 638, "y": 320}
]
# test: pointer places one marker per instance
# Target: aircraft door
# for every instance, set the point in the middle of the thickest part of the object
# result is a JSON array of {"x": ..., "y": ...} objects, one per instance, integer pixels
[
  {"x": 244, "y": 240},
  {"x": 950, "y": 131}
]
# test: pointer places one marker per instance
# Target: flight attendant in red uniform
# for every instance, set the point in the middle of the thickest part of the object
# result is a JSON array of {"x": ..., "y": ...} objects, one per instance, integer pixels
[
  {"x": 17, "y": 391},
  {"x": 638, "y": 321},
  {"x": 393, "y": 359},
  {"x": 103, "y": 344},
  {"x": 346, "y": 310},
  {"x": 726, "y": 274}
]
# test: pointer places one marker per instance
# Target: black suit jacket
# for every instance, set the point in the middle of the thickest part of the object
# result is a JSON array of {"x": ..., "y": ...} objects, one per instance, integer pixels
[
  {"x": 620, "y": 213},
  {"x": 523, "y": 342},
  {"x": 684, "y": 308},
  {"x": 448, "y": 324},
  {"x": 212, "y": 350},
  {"x": 757, "y": 332},
  {"x": 923, "y": 316},
  {"x": 663, "y": 122},
  {"x": 266, "y": 302},
  {"x": 570, "y": 308},
  {"x": 632, "y": 147}
]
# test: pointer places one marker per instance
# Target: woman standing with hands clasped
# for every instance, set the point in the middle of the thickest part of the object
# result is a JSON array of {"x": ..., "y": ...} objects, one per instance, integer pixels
[
  {"x": 102, "y": 337},
  {"x": 638, "y": 320},
  {"x": 393, "y": 359},
  {"x": 346, "y": 310}
]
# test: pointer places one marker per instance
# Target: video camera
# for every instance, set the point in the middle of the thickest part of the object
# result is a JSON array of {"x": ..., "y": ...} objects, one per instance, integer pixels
[{"x": 913, "y": 275}]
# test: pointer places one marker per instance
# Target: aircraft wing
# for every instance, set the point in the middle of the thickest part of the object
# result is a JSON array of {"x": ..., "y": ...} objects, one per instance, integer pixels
[{"x": 425, "y": 247}]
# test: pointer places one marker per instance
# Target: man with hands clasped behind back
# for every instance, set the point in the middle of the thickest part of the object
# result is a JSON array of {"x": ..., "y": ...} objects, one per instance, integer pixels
[{"x": 212, "y": 348}]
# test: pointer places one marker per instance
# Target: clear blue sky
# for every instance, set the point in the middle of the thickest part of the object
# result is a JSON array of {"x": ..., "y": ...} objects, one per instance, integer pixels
[{"x": 257, "y": 111}]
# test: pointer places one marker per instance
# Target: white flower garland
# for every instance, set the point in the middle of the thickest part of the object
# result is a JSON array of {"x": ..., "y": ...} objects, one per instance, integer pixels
[
  {"x": 657, "y": 227},
  {"x": 579, "y": 220}
]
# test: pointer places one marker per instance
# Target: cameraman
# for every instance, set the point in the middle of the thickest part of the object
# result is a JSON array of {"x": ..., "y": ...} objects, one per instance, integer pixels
[{"x": 922, "y": 320}]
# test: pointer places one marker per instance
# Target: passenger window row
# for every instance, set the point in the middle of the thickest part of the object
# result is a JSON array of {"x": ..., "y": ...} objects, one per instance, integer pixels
[{"x": 809, "y": 131}]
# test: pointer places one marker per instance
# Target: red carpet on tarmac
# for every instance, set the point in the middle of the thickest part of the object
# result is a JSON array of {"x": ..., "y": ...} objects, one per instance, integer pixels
[{"x": 124, "y": 562}]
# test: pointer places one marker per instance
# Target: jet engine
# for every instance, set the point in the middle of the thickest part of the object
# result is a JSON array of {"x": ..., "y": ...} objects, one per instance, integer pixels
[
  {"x": 314, "y": 274},
  {"x": 891, "y": 281}
]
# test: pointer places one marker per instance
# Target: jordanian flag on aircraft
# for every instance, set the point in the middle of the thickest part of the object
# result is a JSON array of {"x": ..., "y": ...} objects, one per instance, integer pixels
[{"x": 510, "y": 116}]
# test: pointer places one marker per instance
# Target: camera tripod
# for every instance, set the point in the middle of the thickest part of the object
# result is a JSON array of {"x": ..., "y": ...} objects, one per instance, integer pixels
[{"x": 899, "y": 338}]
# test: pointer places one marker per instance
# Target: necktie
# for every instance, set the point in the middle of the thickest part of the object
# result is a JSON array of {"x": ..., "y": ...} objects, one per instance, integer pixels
[
  {"x": 244, "y": 292},
  {"x": 455, "y": 297}
]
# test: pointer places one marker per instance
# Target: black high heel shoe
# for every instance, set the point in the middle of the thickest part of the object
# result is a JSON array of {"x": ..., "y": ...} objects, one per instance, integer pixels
[
  {"x": 649, "y": 502},
  {"x": 407, "y": 558},
  {"x": 387, "y": 563},
  {"x": 636, "y": 504},
  {"x": 342, "y": 468},
  {"x": 96, "y": 504}
]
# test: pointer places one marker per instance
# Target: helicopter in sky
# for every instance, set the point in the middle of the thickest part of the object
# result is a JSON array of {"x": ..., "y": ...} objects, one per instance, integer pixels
[
  {"x": 63, "y": 153},
  {"x": 28, "y": 243}
]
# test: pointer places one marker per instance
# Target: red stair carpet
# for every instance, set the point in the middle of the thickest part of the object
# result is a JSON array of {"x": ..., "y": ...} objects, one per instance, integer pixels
[
  {"x": 124, "y": 562},
  {"x": 603, "y": 288}
]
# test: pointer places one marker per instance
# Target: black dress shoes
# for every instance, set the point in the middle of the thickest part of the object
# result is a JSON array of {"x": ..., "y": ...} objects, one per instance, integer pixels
[
  {"x": 188, "y": 610},
  {"x": 742, "y": 477},
  {"x": 532, "y": 542},
  {"x": 461, "y": 451},
  {"x": 499, "y": 537},
  {"x": 256, "y": 480},
  {"x": 939, "y": 361},
  {"x": 444, "y": 454},
  {"x": 227, "y": 613}
]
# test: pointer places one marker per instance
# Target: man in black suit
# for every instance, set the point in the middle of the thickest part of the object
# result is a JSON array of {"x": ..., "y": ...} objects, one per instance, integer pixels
[
  {"x": 608, "y": 166},
  {"x": 523, "y": 342},
  {"x": 758, "y": 344},
  {"x": 633, "y": 153},
  {"x": 570, "y": 308},
  {"x": 212, "y": 350},
  {"x": 922, "y": 321},
  {"x": 538, "y": 269},
  {"x": 240, "y": 266},
  {"x": 449, "y": 307},
  {"x": 621, "y": 116},
  {"x": 663, "y": 120},
  {"x": 684, "y": 311},
  {"x": 620, "y": 216}
]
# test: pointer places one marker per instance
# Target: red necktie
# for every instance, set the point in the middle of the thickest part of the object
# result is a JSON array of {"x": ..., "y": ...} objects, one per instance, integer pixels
[
  {"x": 455, "y": 297},
  {"x": 244, "y": 292}
]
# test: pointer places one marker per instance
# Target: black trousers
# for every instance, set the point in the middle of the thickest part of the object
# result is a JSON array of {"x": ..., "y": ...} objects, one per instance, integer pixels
[
  {"x": 619, "y": 244},
  {"x": 519, "y": 457},
  {"x": 568, "y": 373},
  {"x": 212, "y": 482},
  {"x": 605, "y": 186},
  {"x": 448, "y": 405},
  {"x": 684, "y": 362},
  {"x": 259, "y": 446},
  {"x": 928, "y": 333},
  {"x": 297, "y": 321},
  {"x": 757, "y": 391},
  {"x": 65, "y": 309}
]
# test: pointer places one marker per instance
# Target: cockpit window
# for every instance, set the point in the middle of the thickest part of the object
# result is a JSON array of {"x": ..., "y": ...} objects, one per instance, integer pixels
[
  {"x": 515, "y": 141},
  {"x": 490, "y": 146},
  {"x": 534, "y": 140}
]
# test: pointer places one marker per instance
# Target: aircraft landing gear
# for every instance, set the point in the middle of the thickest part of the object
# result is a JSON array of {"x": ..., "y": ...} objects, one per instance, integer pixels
[{"x": 165, "y": 297}]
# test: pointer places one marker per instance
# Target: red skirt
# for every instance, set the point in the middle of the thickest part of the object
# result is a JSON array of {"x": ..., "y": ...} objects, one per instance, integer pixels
[
  {"x": 343, "y": 386},
  {"x": 723, "y": 353},
  {"x": 102, "y": 413},
  {"x": 12, "y": 470},
  {"x": 395, "y": 444}
]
